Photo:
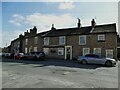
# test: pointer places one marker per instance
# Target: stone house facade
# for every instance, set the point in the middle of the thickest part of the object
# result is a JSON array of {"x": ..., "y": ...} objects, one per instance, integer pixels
[
  {"x": 72, "y": 42},
  {"x": 69, "y": 43},
  {"x": 29, "y": 42},
  {"x": 15, "y": 46}
]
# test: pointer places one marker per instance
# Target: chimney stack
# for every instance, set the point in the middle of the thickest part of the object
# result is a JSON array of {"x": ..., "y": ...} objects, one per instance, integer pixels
[
  {"x": 31, "y": 31},
  {"x": 79, "y": 23},
  {"x": 93, "y": 23},
  {"x": 35, "y": 30},
  {"x": 26, "y": 33},
  {"x": 53, "y": 28}
]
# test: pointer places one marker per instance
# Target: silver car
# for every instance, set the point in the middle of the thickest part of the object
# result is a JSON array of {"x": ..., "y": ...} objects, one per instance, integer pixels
[{"x": 95, "y": 59}]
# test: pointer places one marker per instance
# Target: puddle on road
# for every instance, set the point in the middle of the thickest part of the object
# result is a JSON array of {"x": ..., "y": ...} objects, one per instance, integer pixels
[{"x": 63, "y": 72}]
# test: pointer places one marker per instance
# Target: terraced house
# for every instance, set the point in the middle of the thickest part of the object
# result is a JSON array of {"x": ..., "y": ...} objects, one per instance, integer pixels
[
  {"x": 29, "y": 42},
  {"x": 32, "y": 41},
  {"x": 69, "y": 43}
]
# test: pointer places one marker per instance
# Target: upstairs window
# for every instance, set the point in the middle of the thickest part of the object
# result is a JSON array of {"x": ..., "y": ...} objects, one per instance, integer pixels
[
  {"x": 36, "y": 40},
  {"x": 26, "y": 41},
  {"x": 82, "y": 40},
  {"x": 18, "y": 44},
  {"x": 62, "y": 40},
  {"x": 101, "y": 37},
  {"x": 46, "y": 41}
]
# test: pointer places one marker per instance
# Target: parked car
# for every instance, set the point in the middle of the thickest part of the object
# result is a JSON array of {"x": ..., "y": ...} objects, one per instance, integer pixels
[
  {"x": 12, "y": 55},
  {"x": 6, "y": 55},
  {"x": 95, "y": 59},
  {"x": 34, "y": 56},
  {"x": 18, "y": 56},
  {"x": 0, "y": 54}
]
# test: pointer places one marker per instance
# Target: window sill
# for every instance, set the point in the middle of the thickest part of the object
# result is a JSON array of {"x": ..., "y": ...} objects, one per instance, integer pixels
[
  {"x": 101, "y": 40},
  {"x": 61, "y": 44},
  {"x": 82, "y": 44}
]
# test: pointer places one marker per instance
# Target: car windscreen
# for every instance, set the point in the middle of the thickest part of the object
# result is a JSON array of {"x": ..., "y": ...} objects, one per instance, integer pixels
[
  {"x": 39, "y": 53},
  {"x": 96, "y": 56},
  {"x": 92, "y": 55},
  {"x": 32, "y": 52}
]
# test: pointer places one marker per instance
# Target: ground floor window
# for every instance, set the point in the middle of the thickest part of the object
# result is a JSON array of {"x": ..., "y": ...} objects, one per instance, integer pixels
[
  {"x": 97, "y": 51},
  {"x": 86, "y": 51},
  {"x": 35, "y": 49},
  {"x": 30, "y": 49},
  {"x": 46, "y": 50},
  {"x": 60, "y": 51},
  {"x": 109, "y": 53},
  {"x": 25, "y": 50}
]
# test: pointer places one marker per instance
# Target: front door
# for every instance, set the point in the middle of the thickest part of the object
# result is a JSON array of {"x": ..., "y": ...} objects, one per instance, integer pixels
[{"x": 68, "y": 52}]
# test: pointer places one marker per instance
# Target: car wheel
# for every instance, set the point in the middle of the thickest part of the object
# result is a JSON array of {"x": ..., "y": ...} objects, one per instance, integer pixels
[
  {"x": 108, "y": 63},
  {"x": 84, "y": 62},
  {"x": 24, "y": 58},
  {"x": 41, "y": 58},
  {"x": 35, "y": 58}
]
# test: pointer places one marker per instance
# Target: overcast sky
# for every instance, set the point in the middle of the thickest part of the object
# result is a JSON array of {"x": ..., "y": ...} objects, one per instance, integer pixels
[{"x": 18, "y": 17}]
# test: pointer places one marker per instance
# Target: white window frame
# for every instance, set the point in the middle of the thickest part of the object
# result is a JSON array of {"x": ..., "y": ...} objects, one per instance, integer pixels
[
  {"x": 80, "y": 40},
  {"x": 109, "y": 50},
  {"x": 35, "y": 40},
  {"x": 35, "y": 49},
  {"x": 26, "y": 50},
  {"x": 30, "y": 49},
  {"x": 88, "y": 52},
  {"x": 60, "y": 40},
  {"x": 46, "y": 40},
  {"x": 26, "y": 41},
  {"x": 97, "y": 53},
  {"x": 18, "y": 44},
  {"x": 101, "y": 37},
  {"x": 46, "y": 51},
  {"x": 61, "y": 50}
]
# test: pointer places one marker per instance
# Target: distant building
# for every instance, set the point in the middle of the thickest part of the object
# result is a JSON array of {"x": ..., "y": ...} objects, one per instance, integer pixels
[
  {"x": 6, "y": 49},
  {"x": 17, "y": 45},
  {"x": 69, "y": 43}
]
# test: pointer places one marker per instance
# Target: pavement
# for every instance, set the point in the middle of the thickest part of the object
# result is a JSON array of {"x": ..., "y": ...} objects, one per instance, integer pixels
[{"x": 56, "y": 74}]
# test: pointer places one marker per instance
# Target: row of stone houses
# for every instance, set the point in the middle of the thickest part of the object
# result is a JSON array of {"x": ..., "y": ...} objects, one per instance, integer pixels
[{"x": 69, "y": 43}]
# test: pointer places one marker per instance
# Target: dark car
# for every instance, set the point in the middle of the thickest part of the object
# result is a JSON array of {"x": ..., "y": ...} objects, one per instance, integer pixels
[
  {"x": 6, "y": 55},
  {"x": 12, "y": 55},
  {"x": 34, "y": 56}
]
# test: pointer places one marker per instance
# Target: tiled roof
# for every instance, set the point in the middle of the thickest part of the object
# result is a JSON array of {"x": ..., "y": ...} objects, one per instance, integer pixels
[
  {"x": 105, "y": 28},
  {"x": 83, "y": 30},
  {"x": 15, "y": 40}
]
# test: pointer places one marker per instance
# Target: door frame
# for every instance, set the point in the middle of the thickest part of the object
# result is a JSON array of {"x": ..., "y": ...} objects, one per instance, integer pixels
[{"x": 70, "y": 52}]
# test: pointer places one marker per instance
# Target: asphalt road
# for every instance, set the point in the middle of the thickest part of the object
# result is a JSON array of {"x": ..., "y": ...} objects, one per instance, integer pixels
[{"x": 57, "y": 74}]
